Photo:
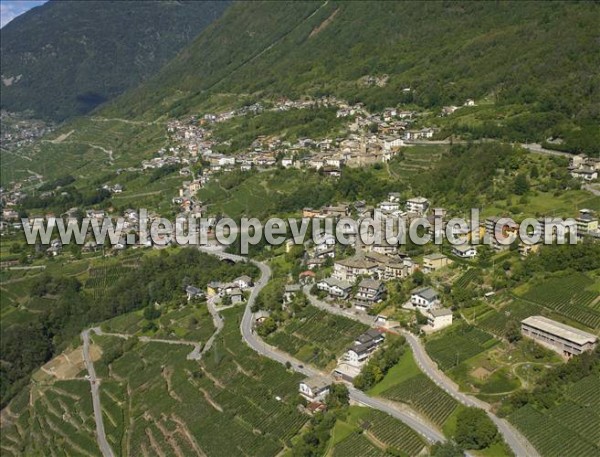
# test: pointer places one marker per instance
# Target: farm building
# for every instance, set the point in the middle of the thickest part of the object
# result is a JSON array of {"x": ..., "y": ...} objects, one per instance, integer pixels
[{"x": 564, "y": 339}]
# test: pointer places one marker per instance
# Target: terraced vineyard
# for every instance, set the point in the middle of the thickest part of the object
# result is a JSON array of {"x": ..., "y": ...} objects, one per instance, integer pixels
[
  {"x": 113, "y": 396},
  {"x": 427, "y": 398},
  {"x": 567, "y": 296},
  {"x": 466, "y": 278},
  {"x": 585, "y": 393},
  {"x": 356, "y": 445},
  {"x": 317, "y": 337},
  {"x": 392, "y": 433},
  {"x": 232, "y": 403},
  {"x": 100, "y": 277},
  {"x": 415, "y": 159},
  {"x": 235, "y": 390},
  {"x": 550, "y": 436},
  {"x": 60, "y": 422},
  {"x": 453, "y": 348},
  {"x": 579, "y": 419},
  {"x": 495, "y": 322},
  {"x": 571, "y": 428}
]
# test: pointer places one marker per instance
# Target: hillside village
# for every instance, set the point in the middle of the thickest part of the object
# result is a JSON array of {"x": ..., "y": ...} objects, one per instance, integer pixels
[{"x": 174, "y": 342}]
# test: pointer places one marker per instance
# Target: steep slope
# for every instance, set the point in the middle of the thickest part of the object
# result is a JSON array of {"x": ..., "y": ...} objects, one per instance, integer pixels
[
  {"x": 65, "y": 58},
  {"x": 525, "y": 53}
]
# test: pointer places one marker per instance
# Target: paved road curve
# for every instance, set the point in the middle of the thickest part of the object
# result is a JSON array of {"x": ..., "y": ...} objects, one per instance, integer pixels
[
  {"x": 517, "y": 442},
  {"x": 95, "y": 385},
  {"x": 404, "y": 414}
]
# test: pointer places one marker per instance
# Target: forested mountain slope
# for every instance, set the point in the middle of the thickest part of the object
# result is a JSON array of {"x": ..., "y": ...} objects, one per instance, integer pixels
[
  {"x": 65, "y": 58},
  {"x": 543, "y": 56}
]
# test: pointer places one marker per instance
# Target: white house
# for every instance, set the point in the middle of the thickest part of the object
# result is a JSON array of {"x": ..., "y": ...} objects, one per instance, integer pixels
[
  {"x": 351, "y": 268},
  {"x": 335, "y": 287},
  {"x": 314, "y": 388},
  {"x": 389, "y": 206},
  {"x": 236, "y": 295},
  {"x": 417, "y": 205},
  {"x": 193, "y": 292},
  {"x": 290, "y": 291},
  {"x": 363, "y": 347},
  {"x": 464, "y": 251},
  {"x": 287, "y": 162},
  {"x": 243, "y": 282},
  {"x": 358, "y": 354},
  {"x": 325, "y": 243},
  {"x": 439, "y": 318},
  {"x": 425, "y": 298},
  {"x": 370, "y": 291}
]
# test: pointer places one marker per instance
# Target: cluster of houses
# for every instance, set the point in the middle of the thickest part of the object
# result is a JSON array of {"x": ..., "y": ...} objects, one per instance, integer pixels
[
  {"x": 19, "y": 131},
  {"x": 234, "y": 290},
  {"x": 585, "y": 168},
  {"x": 448, "y": 110},
  {"x": 351, "y": 363},
  {"x": 426, "y": 300},
  {"x": 191, "y": 140}
]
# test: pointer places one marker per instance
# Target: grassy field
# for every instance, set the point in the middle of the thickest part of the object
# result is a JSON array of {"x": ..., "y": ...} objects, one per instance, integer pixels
[{"x": 405, "y": 368}]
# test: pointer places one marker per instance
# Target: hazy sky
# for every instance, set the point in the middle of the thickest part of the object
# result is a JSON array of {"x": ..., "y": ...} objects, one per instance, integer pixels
[{"x": 10, "y": 9}]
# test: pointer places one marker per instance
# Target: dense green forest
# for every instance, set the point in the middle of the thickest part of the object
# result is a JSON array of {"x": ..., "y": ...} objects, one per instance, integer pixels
[
  {"x": 159, "y": 279},
  {"x": 444, "y": 52},
  {"x": 65, "y": 58}
]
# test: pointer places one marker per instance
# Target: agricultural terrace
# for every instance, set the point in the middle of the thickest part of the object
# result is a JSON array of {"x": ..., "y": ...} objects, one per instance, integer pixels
[
  {"x": 57, "y": 421},
  {"x": 424, "y": 396},
  {"x": 373, "y": 431},
  {"x": 574, "y": 295},
  {"x": 231, "y": 389},
  {"x": 496, "y": 319},
  {"x": 458, "y": 344},
  {"x": 405, "y": 383},
  {"x": 466, "y": 278},
  {"x": 562, "y": 417},
  {"x": 357, "y": 445},
  {"x": 316, "y": 336}
]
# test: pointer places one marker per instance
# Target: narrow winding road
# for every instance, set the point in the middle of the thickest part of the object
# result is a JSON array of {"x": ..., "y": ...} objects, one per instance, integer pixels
[
  {"x": 217, "y": 322},
  {"x": 400, "y": 412},
  {"x": 517, "y": 442},
  {"x": 95, "y": 385}
]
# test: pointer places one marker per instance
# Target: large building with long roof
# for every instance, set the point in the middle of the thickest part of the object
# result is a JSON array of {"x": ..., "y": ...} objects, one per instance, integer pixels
[{"x": 564, "y": 339}]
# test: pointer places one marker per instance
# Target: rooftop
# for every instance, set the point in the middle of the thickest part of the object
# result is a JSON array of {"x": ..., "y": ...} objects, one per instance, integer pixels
[
  {"x": 370, "y": 284},
  {"x": 338, "y": 282},
  {"x": 355, "y": 262},
  {"x": 427, "y": 293},
  {"x": 440, "y": 312},
  {"x": 556, "y": 328},
  {"x": 316, "y": 383},
  {"x": 434, "y": 256}
]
